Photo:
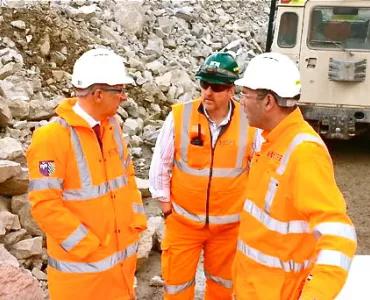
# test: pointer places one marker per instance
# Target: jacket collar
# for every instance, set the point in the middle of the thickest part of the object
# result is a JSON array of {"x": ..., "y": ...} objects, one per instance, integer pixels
[{"x": 292, "y": 120}]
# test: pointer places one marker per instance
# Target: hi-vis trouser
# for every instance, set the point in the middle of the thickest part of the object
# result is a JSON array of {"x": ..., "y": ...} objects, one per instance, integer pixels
[{"x": 181, "y": 249}]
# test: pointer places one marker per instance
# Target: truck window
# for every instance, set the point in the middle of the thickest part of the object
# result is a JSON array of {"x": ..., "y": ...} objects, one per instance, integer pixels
[
  {"x": 287, "y": 37},
  {"x": 340, "y": 28}
]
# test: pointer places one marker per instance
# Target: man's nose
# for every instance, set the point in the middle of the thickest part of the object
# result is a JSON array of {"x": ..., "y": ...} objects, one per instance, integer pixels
[
  {"x": 123, "y": 96},
  {"x": 208, "y": 91}
]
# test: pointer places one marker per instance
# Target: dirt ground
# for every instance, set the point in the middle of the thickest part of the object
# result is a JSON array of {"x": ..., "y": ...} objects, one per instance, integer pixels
[{"x": 352, "y": 170}]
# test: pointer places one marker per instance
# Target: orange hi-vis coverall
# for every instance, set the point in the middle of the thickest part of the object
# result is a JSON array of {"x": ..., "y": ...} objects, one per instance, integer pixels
[
  {"x": 86, "y": 201},
  {"x": 295, "y": 239},
  {"x": 208, "y": 188}
]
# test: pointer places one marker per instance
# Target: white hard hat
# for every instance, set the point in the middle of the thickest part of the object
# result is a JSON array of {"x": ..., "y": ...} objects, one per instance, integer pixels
[
  {"x": 272, "y": 71},
  {"x": 99, "y": 66}
]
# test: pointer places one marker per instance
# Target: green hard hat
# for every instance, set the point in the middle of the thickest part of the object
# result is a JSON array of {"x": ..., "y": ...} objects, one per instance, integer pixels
[{"x": 219, "y": 68}]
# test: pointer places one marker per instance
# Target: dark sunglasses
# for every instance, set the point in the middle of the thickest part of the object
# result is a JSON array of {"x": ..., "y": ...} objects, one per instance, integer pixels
[{"x": 217, "y": 88}]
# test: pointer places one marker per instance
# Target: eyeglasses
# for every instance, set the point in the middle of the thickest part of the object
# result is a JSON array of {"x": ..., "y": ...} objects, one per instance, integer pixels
[
  {"x": 121, "y": 90},
  {"x": 217, "y": 88},
  {"x": 249, "y": 95}
]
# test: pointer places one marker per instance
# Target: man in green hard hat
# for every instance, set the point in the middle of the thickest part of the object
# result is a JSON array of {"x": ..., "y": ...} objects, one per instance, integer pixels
[{"x": 199, "y": 173}]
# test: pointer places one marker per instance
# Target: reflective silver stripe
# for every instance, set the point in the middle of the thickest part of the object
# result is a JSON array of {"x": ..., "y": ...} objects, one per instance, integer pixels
[
  {"x": 92, "y": 267},
  {"x": 243, "y": 138},
  {"x": 274, "y": 183},
  {"x": 298, "y": 139},
  {"x": 82, "y": 165},
  {"x": 181, "y": 211},
  {"x": 61, "y": 122},
  {"x": 223, "y": 282},
  {"x": 224, "y": 219},
  {"x": 88, "y": 190},
  {"x": 337, "y": 229},
  {"x": 270, "y": 195},
  {"x": 117, "y": 183},
  {"x": 45, "y": 184},
  {"x": 186, "y": 117},
  {"x": 295, "y": 226},
  {"x": 118, "y": 140},
  {"x": 74, "y": 238},
  {"x": 271, "y": 261},
  {"x": 138, "y": 208},
  {"x": 334, "y": 258},
  {"x": 216, "y": 172},
  {"x": 175, "y": 289},
  {"x": 218, "y": 220},
  {"x": 128, "y": 161}
]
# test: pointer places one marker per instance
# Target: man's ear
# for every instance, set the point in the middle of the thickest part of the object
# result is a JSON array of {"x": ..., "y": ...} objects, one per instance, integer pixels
[
  {"x": 97, "y": 95},
  {"x": 232, "y": 91},
  {"x": 270, "y": 102}
]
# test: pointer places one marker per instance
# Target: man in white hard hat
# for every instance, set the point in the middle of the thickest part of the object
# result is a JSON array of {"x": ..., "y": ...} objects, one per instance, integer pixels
[
  {"x": 82, "y": 187},
  {"x": 295, "y": 238}
]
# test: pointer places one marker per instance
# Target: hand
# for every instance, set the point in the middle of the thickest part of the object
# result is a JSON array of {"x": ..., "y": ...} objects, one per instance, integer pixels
[{"x": 166, "y": 208}]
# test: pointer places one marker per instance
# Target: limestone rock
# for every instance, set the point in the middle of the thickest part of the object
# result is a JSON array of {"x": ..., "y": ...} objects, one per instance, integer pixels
[
  {"x": 18, "y": 284},
  {"x": 27, "y": 248}
]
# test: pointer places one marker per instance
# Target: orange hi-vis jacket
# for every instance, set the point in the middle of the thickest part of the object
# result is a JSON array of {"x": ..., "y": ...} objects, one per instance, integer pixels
[
  {"x": 86, "y": 201},
  {"x": 208, "y": 184},
  {"x": 295, "y": 238}
]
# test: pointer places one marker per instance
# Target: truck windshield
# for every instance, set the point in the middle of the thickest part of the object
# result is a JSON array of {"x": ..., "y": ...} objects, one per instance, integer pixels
[{"x": 340, "y": 28}]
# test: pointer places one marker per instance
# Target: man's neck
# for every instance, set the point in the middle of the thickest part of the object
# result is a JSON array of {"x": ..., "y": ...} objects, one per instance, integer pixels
[
  {"x": 88, "y": 109},
  {"x": 274, "y": 121},
  {"x": 219, "y": 115}
]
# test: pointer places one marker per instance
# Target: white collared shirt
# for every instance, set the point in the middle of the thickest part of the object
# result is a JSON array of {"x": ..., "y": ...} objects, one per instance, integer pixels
[
  {"x": 216, "y": 129},
  {"x": 84, "y": 115}
]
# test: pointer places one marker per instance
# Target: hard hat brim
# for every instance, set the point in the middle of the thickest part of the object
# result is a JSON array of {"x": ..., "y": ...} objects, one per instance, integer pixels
[{"x": 213, "y": 80}]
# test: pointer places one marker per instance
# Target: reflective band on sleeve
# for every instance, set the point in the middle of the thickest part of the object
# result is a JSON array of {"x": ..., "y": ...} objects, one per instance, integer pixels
[
  {"x": 92, "y": 267},
  {"x": 334, "y": 258},
  {"x": 175, "y": 289},
  {"x": 295, "y": 226},
  {"x": 138, "y": 208},
  {"x": 45, "y": 184},
  {"x": 223, "y": 282},
  {"x": 217, "y": 220},
  {"x": 337, "y": 229},
  {"x": 74, "y": 238},
  {"x": 271, "y": 261}
]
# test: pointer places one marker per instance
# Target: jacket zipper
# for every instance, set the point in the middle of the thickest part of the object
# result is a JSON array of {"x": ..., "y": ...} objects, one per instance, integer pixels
[{"x": 211, "y": 173}]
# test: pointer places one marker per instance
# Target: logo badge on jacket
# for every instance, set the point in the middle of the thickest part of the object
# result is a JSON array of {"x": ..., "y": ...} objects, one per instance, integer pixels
[{"x": 47, "y": 167}]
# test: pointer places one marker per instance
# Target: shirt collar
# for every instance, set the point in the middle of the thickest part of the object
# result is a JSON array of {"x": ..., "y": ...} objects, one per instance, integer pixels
[
  {"x": 225, "y": 121},
  {"x": 84, "y": 115},
  {"x": 292, "y": 120}
]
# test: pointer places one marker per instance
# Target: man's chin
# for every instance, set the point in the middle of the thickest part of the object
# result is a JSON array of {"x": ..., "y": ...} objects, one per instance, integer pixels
[{"x": 208, "y": 103}]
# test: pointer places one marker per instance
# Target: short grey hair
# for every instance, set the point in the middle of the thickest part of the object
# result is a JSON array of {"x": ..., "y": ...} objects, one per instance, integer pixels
[{"x": 85, "y": 92}]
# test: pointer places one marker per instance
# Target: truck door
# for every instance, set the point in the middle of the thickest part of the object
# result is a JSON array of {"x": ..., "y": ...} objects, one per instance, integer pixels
[{"x": 288, "y": 31}]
